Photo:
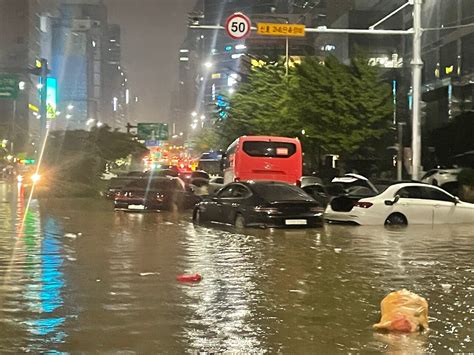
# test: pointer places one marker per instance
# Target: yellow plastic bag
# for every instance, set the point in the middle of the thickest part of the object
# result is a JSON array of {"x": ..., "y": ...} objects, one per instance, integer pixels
[{"x": 403, "y": 311}]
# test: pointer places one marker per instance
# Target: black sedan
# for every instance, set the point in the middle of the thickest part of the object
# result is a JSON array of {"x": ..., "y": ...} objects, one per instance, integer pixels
[
  {"x": 161, "y": 193},
  {"x": 260, "y": 204},
  {"x": 116, "y": 185}
]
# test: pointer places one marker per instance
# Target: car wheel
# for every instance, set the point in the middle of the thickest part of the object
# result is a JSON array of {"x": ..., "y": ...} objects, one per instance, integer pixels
[
  {"x": 239, "y": 221},
  {"x": 396, "y": 219},
  {"x": 197, "y": 216},
  {"x": 435, "y": 182}
]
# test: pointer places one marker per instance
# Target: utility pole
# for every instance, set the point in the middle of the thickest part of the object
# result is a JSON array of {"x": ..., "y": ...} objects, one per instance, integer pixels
[{"x": 417, "y": 65}]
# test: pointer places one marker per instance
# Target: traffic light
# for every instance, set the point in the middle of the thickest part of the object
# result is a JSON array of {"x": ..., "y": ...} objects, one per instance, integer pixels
[
  {"x": 40, "y": 68},
  {"x": 223, "y": 106}
]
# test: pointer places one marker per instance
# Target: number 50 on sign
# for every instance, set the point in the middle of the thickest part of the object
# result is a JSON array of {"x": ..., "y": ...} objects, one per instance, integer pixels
[{"x": 238, "y": 26}]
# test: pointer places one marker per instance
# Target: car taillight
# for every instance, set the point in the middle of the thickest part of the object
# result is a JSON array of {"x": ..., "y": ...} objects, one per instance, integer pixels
[
  {"x": 316, "y": 209},
  {"x": 236, "y": 179},
  {"x": 363, "y": 204},
  {"x": 269, "y": 210},
  {"x": 118, "y": 194},
  {"x": 298, "y": 183}
]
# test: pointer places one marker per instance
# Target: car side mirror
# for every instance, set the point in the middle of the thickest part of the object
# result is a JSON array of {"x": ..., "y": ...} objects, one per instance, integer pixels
[
  {"x": 392, "y": 202},
  {"x": 456, "y": 200}
]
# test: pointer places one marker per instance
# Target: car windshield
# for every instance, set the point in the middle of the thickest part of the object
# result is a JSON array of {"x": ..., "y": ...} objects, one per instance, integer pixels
[
  {"x": 165, "y": 172},
  {"x": 117, "y": 182},
  {"x": 280, "y": 192}
]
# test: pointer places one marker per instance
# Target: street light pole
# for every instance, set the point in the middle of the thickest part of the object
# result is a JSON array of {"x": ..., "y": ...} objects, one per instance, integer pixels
[{"x": 417, "y": 65}]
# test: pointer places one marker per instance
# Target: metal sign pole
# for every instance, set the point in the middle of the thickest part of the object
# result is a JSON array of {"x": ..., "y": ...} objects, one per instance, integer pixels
[{"x": 417, "y": 65}]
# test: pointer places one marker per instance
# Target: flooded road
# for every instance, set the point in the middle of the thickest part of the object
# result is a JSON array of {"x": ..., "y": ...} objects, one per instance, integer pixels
[{"x": 77, "y": 277}]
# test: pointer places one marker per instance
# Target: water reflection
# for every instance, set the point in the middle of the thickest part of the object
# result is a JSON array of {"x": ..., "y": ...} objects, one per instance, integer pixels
[
  {"x": 223, "y": 306},
  {"x": 34, "y": 271},
  {"x": 319, "y": 290}
]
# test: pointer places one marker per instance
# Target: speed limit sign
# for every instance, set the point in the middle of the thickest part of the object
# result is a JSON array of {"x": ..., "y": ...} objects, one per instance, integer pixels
[{"x": 238, "y": 26}]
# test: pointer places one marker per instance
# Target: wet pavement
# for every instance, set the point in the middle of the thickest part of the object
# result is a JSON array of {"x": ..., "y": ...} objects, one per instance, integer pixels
[{"x": 75, "y": 276}]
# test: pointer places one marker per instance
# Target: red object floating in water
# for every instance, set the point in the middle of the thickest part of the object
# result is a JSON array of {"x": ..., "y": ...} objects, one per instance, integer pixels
[{"x": 189, "y": 278}]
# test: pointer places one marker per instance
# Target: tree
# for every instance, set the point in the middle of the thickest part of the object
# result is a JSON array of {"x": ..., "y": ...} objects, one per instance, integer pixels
[
  {"x": 80, "y": 156},
  {"x": 261, "y": 105},
  {"x": 334, "y": 108},
  {"x": 342, "y": 107},
  {"x": 208, "y": 139}
]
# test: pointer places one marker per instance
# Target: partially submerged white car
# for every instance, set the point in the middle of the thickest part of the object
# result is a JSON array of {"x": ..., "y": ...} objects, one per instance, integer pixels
[{"x": 401, "y": 204}]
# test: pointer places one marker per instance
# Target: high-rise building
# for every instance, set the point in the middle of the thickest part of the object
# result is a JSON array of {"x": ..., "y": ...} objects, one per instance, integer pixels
[
  {"x": 86, "y": 55},
  {"x": 116, "y": 100},
  {"x": 19, "y": 47},
  {"x": 78, "y": 50}
]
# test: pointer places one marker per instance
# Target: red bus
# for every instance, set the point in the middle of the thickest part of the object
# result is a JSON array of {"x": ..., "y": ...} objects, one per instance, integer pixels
[{"x": 263, "y": 158}]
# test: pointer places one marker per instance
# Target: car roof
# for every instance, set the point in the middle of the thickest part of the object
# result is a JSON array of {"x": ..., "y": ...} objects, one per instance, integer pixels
[
  {"x": 413, "y": 184},
  {"x": 349, "y": 178}
]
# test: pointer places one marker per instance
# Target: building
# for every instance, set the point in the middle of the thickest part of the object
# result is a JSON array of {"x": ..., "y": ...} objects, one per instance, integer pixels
[
  {"x": 19, "y": 47},
  {"x": 447, "y": 54},
  {"x": 116, "y": 100},
  {"x": 86, "y": 56},
  {"x": 87, "y": 86},
  {"x": 78, "y": 48}
]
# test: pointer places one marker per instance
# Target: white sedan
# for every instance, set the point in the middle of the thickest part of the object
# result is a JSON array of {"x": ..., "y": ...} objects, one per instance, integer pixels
[
  {"x": 439, "y": 177},
  {"x": 402, "y": 204}
]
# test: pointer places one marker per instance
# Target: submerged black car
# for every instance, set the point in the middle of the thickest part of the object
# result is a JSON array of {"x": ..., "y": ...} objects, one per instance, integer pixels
[
  {"x": 260, "y": 204},
  {"x": 161, "y": 193},
  {"x": 116, "y": 185}
]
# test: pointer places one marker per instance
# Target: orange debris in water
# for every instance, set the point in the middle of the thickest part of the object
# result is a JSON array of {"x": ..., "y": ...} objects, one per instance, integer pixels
[{"x": 403, "y": 311}]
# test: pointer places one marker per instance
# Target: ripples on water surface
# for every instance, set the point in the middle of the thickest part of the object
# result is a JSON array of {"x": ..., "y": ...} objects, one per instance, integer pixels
[{"x": 78, "y": 277}]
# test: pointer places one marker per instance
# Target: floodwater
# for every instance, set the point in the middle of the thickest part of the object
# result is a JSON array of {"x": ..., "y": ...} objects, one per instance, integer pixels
[{"x": 77, "y": 277}]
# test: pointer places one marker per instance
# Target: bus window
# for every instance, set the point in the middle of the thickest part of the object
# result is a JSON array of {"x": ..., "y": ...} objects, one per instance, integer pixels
[
  {"x": 269, "y": 149},
  {"x": 264, "y": 158}
]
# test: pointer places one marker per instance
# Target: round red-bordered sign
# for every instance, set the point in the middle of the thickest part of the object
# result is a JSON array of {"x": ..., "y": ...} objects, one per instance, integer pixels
[{"x": 238, "y": 26}]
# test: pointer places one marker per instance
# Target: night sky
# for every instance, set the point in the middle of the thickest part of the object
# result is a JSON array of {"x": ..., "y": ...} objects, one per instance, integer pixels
[{"x": 152, "y": 32}]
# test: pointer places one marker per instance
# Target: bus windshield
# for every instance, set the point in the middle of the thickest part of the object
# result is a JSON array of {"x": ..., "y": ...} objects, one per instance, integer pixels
[
  {"x": 269, "y": 149},
  {"x": 264, "y": 158}
]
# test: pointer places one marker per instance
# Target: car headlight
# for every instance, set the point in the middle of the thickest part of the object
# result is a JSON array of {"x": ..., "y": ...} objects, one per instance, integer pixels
[{"x": 35, "y": 178}]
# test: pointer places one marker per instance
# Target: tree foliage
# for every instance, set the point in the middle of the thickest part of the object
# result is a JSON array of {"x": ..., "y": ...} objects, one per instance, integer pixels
[
  {"x": 340, "y": 108},
  {"x": 80, "y": 156}
]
